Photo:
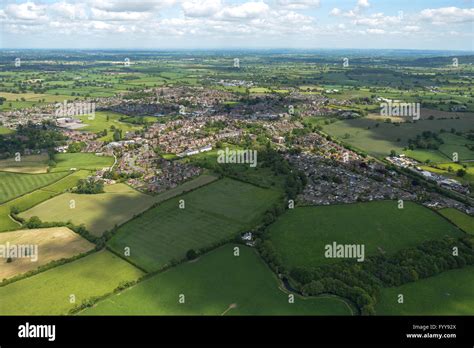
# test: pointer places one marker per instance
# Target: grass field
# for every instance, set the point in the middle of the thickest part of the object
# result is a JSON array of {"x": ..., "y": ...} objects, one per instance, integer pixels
[
  {"x": 29, "y": 200},
  {"x": 218, "y": 283},
  {"x": 89, "y": 161},
  {"x": 48, "y": 293},
  {"x": 463, "y": 221},
  {"x": 300, "y": 235},
  {"x": 32, "y": 164},
  {"x": 5, "y": 130},
  {"x": 53, "y": 244},
  {"x": 14, "y": 184},
  {"x": 378, "y": 141},
  {"x": 100, "y": 122},
  {"x": 212, "y": 213},
  {"x": 449, "y": 293},
  {"x": 101, "y": 212}
]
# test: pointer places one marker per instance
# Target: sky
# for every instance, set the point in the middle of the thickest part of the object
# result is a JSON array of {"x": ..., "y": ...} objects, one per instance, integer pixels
[{"x": 237, "y": 24}]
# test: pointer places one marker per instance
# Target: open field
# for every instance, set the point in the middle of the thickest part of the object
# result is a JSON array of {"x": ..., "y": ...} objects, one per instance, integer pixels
[
  {"x": 53, "y": 243},
  {"x": 449, "y": 293},
  {"x": 379, "y": 138},
  {"x": 14, "y": 184},
  {"x": 29, "y": 200},
  {"x": 98, "y": 212},
  {"x": 101, "y": 212},
  {"x": 300, "y": 235},
  {"x": 5, "y": 130},
  {"x": 49, "y": 292},
  {"x": 32, "y": 164},
  {"x": 89, "y": 161},
  {"x": 218, "y": 283},
  {"x": 100, "y": 122},
  {"x": 463, "y": 221},
  {"x": 211, "y": 214}
]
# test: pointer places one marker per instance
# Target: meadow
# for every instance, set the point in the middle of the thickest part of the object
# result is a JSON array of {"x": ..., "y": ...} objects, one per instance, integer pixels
[
  {"x": 32, "y": 164},
  {"x": 301, "y": 234},
  {"x": 463, "y": 221},
  {"x": 81, "y": 160},
  {"x": 211, "y": 214},
  {"x": 53, "y": 243},
  {"x": 217, "y": 283},
  {"x": 101, "y": 212},
  {"x": 49, "y": 292},
  {"x": 29, "y": 200},
  {"x": 14, "y": 184},
  {"x": 449, "y": 293},
  {"x": 105, "y": 120}
]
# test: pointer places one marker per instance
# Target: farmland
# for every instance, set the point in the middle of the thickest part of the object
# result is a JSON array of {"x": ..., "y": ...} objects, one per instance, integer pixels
[
  {"x": 211, "y": 214},
  {"x": 105, "y": 120},
  {"x": 33, "y": 164},
  {"x": 29, "y": 200},
  {"x": 218, "y": 283},
  {"x": 101, "y": 212},
  {"x": 53, "y": 243},
  {"x": 88, "y": 161},
  {"x": 301, "y": 234},
  {"x": 463, "y": 221},
  {"x": 49, "y": 292},
  {"x": 14, "y": 185},
  {"x": 449, "y": 293}
]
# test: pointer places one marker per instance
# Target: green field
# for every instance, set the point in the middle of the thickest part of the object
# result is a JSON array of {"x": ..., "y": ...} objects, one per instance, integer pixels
[
  {"x": 379, "y": 138},
  {"x": 100, "y": 122},
  {"x": 88, "y": 161},
  {"x": 5, "y": 130},
  {"x": 101, "y": 212},
  {"x": 463, "y": 221},
  {"x": 218, "y": 283},
  {"x": 449, "y": 293},
  {"x": 300, "y": 235},
  {"x": 211, "y": 214},
  {"x": 29, "y": 200},
  {"x": 48, "y": 293},
  {"x": 15, "y": 184},
  {"x": 32, "y": 164}
]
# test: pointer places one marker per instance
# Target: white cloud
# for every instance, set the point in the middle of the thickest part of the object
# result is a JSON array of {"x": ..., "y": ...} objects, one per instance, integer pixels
[
  {"x": 298, "y": 4},
  {"x": 447, "y": 15},
  {"x": 201, "y": 8}
]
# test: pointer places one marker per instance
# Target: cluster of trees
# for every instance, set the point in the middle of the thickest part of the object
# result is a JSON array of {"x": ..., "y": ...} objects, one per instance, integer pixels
[
  {"x": 33, "y": 137},
  {"x": 89, "y": 186},
  {"x": 426, "y": 140},
  {"x": 361, "y": 282}
]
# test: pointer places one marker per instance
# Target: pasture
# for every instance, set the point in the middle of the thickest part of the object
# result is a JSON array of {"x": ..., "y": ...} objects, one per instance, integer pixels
[
  {"x": 53, "y": 243},
  {"x": 50, "y": 292},
  {"x": 14, "y": 184},
  {"x": 463, "y": 221},
  {"x": 211, "y": 214},
  {"x": 301, "y": 234},
  {"x": 88, "y": 161},
  {"x": 217, "y": 283},
  {"x": 106, "y": 120},
  {"x": 448, "y": 293},
  {"x": 32, "y": 164}
]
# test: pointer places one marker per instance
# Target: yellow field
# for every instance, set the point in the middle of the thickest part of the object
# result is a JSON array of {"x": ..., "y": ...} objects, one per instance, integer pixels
[{"x": 53, "y": 244}]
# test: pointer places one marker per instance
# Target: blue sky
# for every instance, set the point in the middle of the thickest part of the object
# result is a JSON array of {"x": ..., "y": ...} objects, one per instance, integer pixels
[{"x": 168, "y": 24}]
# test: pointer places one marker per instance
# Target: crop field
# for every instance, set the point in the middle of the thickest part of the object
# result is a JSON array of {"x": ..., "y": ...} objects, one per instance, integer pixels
[
  {"x": 449, "y": 293},
  {"x": 53, "y": 243},
  {"x": 301, "y": 234},
  {"x": 89, "y": 161},
  {"x": 98, "y": 212},
  {"x": 49, "y": 292},
  {"x": 463, "y": 221},
  {"x": 379, "y": 138},
  {"x": 217, "y": 283},
  {"x": 212, "y": 213},
  {"x": 14, "y": 184},
  {"x": 32, "y": 164},
  {"x": 105, "y": 120},
  {"x": 29, "y": 200}
]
